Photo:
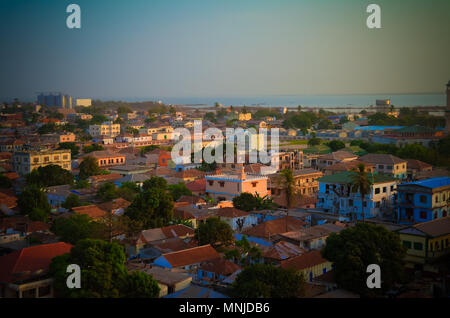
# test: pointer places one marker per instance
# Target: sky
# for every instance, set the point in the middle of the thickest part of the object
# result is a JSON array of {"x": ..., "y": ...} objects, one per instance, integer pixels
[{"x": 183, "y": 48}]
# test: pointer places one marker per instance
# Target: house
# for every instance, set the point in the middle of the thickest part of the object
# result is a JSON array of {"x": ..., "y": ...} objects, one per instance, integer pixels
[
  {"x": 26, "y": 161},
  {"x": 336, "y": 195},
  {"x": 216, "y": 270},
  {"x": 189, "y": 259},
  {"x": 334, "y": 158},
  {"x": 423, "y": 200},
  {"x": 158, "y": 157},
  {"x": 108, "y": 129},
  {"x": 414, "y": 167},
  {"x": 347, "y": 166},
  {"x": 106, "y": 158},
  {"x": 311, "y": 238},
  {"x": 194, "y": 291},
  {"x": 311, "y": 264},
  {"x": 92, "y": 211},
  {"x": 281, "y": 251},
  {"x": 23, "y": 273},
  {"x": 236, "y": 218},
  {"x": 189, "y": 175},
  {"x": 269, "y": 229},
  {"x": 425, "y": 242},
  {"x": 197, "y": 187},
  {"x": 226, "y": 186},
  {"x": 305, "y": 181},
  {"x": 8, "y": 203},
  {"x": 409, "y": 135},
  {"x": 194, "y": 201},
  {"x": 169, "y": 281},
  {"x": 387, "y": 164},
  {"x": 116, "y": 206},
  {"x": 97, "y": 181}
]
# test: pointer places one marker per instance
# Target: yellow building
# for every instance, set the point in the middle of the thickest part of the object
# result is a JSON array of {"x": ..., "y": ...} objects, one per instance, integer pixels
[
  {"x": 106, "y": 129},
  {"x": 246, "y": 116},
  {"x": 425, "y": 242},
  {"x": 310, "y": 264},
  {"x": 85, "y": 102},
  {"x": 25, "y": 161}
]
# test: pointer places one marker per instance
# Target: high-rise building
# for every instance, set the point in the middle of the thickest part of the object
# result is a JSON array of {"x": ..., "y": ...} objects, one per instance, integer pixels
[{"x": 55, "y": 100}]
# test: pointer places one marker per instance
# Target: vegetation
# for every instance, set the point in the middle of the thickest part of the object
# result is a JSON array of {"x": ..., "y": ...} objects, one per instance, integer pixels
[
  {"x": 72, "y": 201},
  {"x": 215, "y": 232},
  {"x": 267, "y": 281},
  {"x": 361, "y": 184},
  {"x": 244, "y": 254},
  {"x": 354, "y": 248},
  {"x": 34, "y": 203},
  {"x": 336, "y": 145},
  {"x": 77, "y": 227},
  {"x": 5, "y": 182},
  {"x": 249, "y": 202},
  {"x": 51, "y": 175},
  {"x": 93, "y": 147},
  {"x": 89, "y": 167},
  {"x": 103, "y": 273},
  {"x": 178, "y": 190},
  {"x": 74, "y": 149}
]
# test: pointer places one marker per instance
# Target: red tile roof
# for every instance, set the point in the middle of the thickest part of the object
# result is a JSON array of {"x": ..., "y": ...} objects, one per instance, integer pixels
[
  {"x": 30, "y": 260},
  {"x": 220, "y": 266},
  {"x": 92, "y": 210},
  {"x": 8, "y": 200},
  {"x": 231, "y": 213},
  {"x": 304, "y": 261},
  {"x": 269, "y": 228},
  {"x": 115, "y": 204},
  {"x": 191, "y": 256},
  {"x": 198, "y": 185}
]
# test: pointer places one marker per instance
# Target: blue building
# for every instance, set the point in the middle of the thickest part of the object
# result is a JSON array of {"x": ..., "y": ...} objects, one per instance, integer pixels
[{"x": 424, "y": 200}]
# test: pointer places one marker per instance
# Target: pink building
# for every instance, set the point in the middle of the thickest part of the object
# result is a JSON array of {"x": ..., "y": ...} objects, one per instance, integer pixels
[{"x": 227, "y": 186}]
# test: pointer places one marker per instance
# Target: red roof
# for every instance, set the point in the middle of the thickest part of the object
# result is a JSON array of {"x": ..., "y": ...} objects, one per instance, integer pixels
[
  {"x": 220, "y": 266},
  {"x": 29, "y": 260},
  {"x": 304, "y": 261},
  {"x": 231, "y": 213},
  {"x": 191, "y": 256},
  {"x": 198, "y": 185},
  {"x": 92, "y": 210}
]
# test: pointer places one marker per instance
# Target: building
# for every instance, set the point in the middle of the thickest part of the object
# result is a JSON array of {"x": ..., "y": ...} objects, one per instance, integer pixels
[
  {"x": 188, "y": 259},
  {"x": 108, "y": 129},
  {"x": 25, "y": 161},
  {"x": 305, "y": 182},
  {"x": 106, "y": 158},
  {"x": 55, "y": 100},
  {"x": 311, "y": 264},
  {"x": 387, "y": 164},
  {"x": 415, "y": 167},
  {"x": 425, "y": 242},
  {"x": 347, "y": 166},
  {"x": 237, "y": 219},
  {"x": 334, "y": 158},
  {"x": 336, "y": 196},
  {"x": 423, "y": 200},
  {"x": 24, "y": 273},
  {"x": 409, "y": 135},
  {"x": 245, "y": 116},
  {"x": 223, "y": 187},
  {"x": 85, "y": 102}
]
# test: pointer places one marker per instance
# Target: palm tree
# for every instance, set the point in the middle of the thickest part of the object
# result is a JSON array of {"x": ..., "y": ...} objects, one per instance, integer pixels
[
  {"x": 362, "y": 184},
  {"x": 287, "y": 182}
]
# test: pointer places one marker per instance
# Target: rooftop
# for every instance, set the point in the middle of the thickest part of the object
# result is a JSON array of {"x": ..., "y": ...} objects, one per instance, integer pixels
[
  {"x": 304, "y": 261},
  {"x": 191, "y": 256},
  {"x": 431, "y": 183},
  {"x": 346, "y": 178},
  {"x": 378, "y": 158}
]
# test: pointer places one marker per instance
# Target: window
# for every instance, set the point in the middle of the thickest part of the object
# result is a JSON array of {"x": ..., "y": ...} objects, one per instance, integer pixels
[
  {"x": 222, "y": 184},
  {"x": 377, "y": 190},
  {"x": 380, "y": 166},
  {"x": 56, "y": 158},
  {"x": 423, "y": 199},
  {"x": 384, "y": 189},
  {"x": 389, "y": 167},
  {"x": 350, "y": 202},
  {"x": 418, "y": 246},
  {"x": 377, "y": 204},
  {"x": 423, "y": 214},
  {"x": 437, "y": 199},
  {"x": 254, "y": 184},
  {"x": 392, "y": 188},
  {"x": 210, "y": 182},
  {"x": 407, "y": 244}
]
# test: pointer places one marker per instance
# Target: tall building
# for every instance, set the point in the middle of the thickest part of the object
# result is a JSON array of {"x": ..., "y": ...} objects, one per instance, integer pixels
[
  {"x": 26, "y": 161},
  {"x": 55, "y": 100}
]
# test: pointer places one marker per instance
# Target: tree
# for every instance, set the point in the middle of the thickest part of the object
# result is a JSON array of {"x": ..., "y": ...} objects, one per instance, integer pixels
[
  {"x": 124, "y": 110},
  {"x": 215, "y": 232},
  {"x": 314, "y": 141},
  {"x": 89, "y": 167},
  {"x": 72, "y": 201},
  {"x": 335, "y": 145},
  {"x": 325, "y": 124},
  {"x": 5, "y": 182},
  {"x": 154, "y": 182},
  {"x": 268, "y": 281},
  {"x": 103, "y": 273},
  {"x": 33, "y": 201},
  {"x": 51, "y": 175},
  {"x": 74, "y": 149},
  {"x": 93, "y": 147},
  {"x": 361, "y": 183},
  {"x": 244, "y": 254},
  {"x": 77, "y": 227},
  {"x": 152, "y": 208},
  {"x": 107, "y": 192},
  {"x": 354, "y": 248},
  {"x": 287, "y": 183},
  {"x": 245, "y": 202},
  {"x": 178, "y": 190}
]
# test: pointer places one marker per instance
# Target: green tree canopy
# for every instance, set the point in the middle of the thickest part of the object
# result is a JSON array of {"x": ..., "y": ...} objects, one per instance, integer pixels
[
  {"x": 5, "y": 182},
  {"x": 215, "y": 232},
  {"x": 354, "y": 248},
  {"x": 107, "y": 192},
  {"x": 335, "y": 145},
  {"x": 89, "y": 167},
  {"x": 33, "y": 201},
  {"x": 72, "y": 201},
  {"x": 74, "y": 149},
  {"x": 77, "y": 227},
  {"x": 178, "y": 190},
  {"x": 268, "y": 281},
  {"x": 51, "y": 175},
  {"x": 103, "y": 273}
]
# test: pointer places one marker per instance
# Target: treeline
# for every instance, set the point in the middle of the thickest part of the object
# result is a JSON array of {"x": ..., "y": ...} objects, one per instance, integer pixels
[
  {"x": 407, "y": 117},
  {"x": 437, "y": 154}
]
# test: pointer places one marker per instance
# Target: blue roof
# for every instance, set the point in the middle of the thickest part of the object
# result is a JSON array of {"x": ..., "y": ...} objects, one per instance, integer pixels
[
  {"x": 431, "y": 183},
  {"x": 378, "y": 127}
]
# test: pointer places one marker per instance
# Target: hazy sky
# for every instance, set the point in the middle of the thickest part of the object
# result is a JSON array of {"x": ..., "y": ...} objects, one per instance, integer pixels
[{"x": 182, "y": 48}]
